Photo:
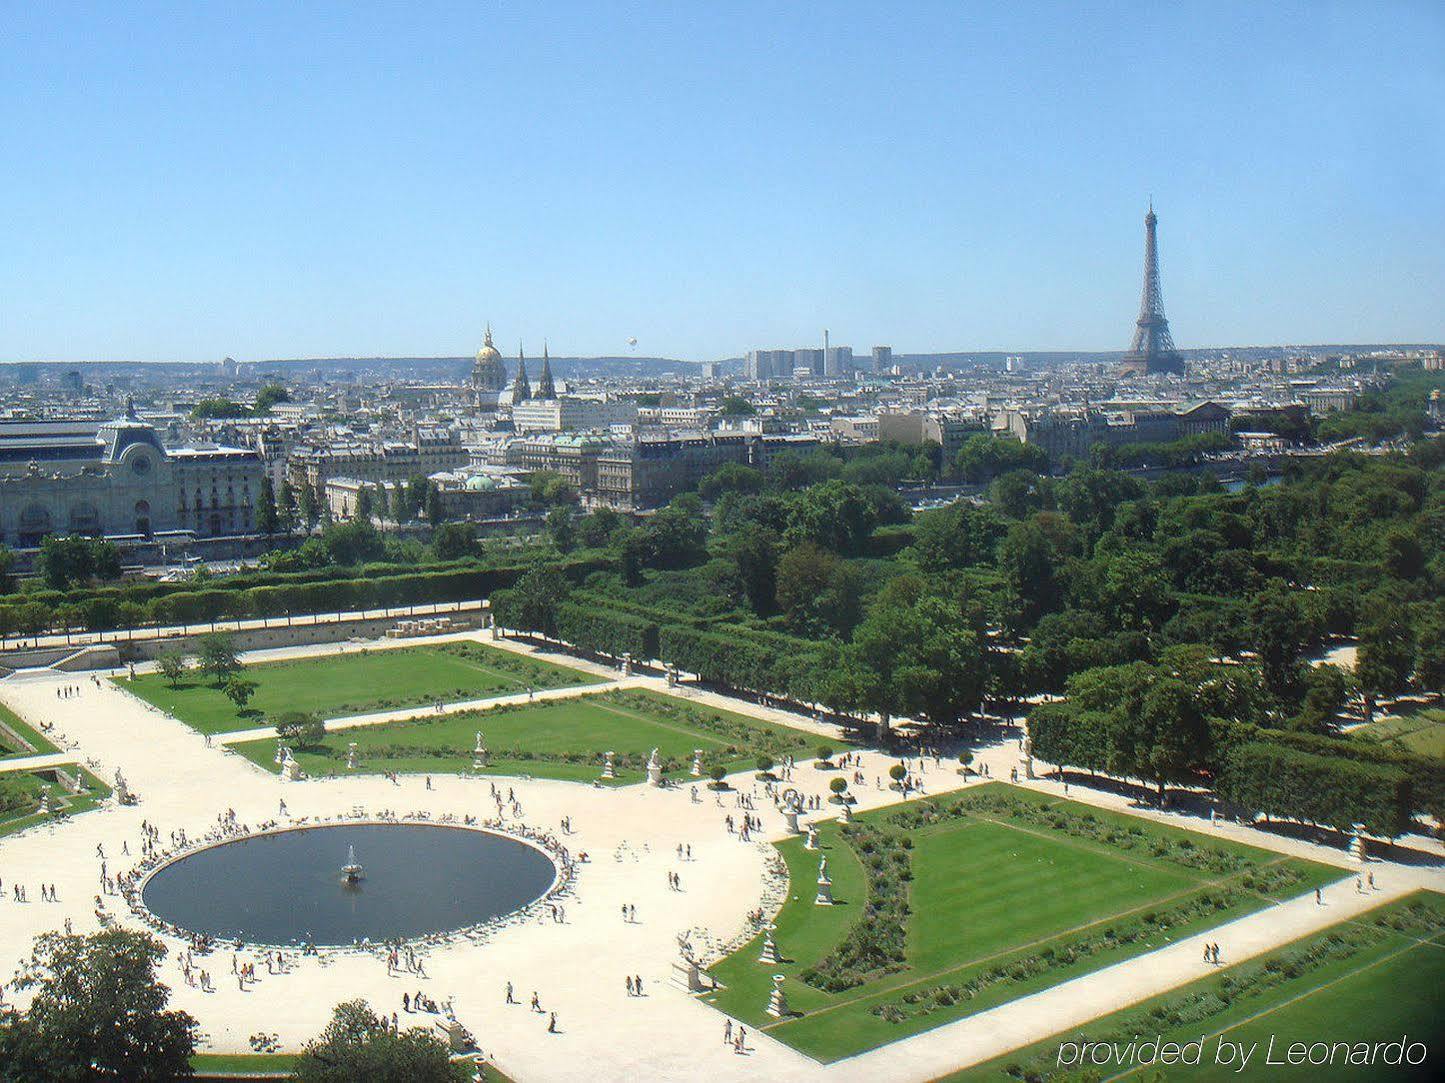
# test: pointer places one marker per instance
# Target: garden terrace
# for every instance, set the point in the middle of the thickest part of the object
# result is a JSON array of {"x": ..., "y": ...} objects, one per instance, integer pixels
[
  {"x": 1341, "y": 984},
  {"x": 355, "y": 682},
  {"x": 1419, "y": 732},
  {"x": 949, "y": 907},
  {"x": 20, "y": 796},
  {"x": 19, "y": 738},
  {"x": 561, "y": 739}
]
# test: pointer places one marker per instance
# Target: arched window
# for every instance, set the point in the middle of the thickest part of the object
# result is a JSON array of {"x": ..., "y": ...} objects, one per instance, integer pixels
[{"x": 34, "y": 524}]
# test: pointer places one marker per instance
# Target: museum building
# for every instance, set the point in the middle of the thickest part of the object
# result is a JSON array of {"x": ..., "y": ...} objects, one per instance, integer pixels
[{"x": 116, "y": 479}]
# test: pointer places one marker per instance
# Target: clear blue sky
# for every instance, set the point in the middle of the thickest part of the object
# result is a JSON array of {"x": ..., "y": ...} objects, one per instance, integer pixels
[{"x": 280, "y": 180}]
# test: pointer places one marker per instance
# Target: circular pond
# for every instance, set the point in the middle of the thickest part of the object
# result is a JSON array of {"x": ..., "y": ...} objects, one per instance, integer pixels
[{"x": 291, "y": 887}]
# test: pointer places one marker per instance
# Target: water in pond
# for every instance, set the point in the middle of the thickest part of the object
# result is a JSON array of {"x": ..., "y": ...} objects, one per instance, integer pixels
[{"x": 289, "y": 887}]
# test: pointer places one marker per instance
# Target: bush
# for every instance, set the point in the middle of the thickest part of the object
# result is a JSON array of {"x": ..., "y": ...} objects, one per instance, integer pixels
[
  {"x": 897, "y": 771},
  {"x": 838, "y": 785},
  {"x": 825, "y": 754}
]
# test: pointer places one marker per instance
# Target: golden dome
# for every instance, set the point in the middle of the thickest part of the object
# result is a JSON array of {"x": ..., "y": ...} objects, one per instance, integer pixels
[{"x": 488, "y": 352}]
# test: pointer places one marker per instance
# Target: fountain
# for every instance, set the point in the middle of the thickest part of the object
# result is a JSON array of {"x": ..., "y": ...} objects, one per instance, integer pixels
[
  {"x": 352, "y": 870},
  {"x": 281, "y": 887}
]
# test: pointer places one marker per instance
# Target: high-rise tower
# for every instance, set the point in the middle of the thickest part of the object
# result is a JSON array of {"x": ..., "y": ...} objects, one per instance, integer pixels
[{"x": 1153, "y": 347}]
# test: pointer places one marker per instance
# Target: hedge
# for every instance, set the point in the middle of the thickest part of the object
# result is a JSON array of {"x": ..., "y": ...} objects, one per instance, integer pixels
[
  {"x": 345, "y": 589},
  {"x": 1285, "y": 782},
  {"x": 607, "y": 631}
]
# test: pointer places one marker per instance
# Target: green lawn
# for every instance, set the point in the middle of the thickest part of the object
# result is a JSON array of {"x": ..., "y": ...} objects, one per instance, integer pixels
[
  {"x": 1368, "y": 980},
  {"x": 1421, "y": 731},
  {"x": 20, "y": 797},
  {"x": 357, "y": 682},
  {"x": 10, "y": 748},
  {"x": 1008, "y": 892},
  {"x": 242, "y": 1063},
  {"x": 561, "y": 739}
]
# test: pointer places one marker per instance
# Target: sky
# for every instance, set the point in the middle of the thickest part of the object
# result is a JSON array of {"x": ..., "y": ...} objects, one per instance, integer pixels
[{"x": 198, "y": 180}]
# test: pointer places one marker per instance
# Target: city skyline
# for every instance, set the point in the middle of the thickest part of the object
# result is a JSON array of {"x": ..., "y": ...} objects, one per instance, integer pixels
[{"x": 300, "y": 184}]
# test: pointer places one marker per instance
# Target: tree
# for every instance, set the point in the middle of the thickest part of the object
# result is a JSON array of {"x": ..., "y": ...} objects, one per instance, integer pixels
[
  {"x": 269, "y": 396},
  {"x": 7, "y": 562},
  {"x": 958, "y": 536},
  {"x": 400, "y": 507},
  {"x": 301, "y": 728},
  {"x": 354, "y": 542},
  {"x": 217, "y": 407},
  {"x": 1387, "y": 643},
  {"x": 532, "y": 604},
  {"x": 1030, "y": 564},
  {"x": 834, "y": 515},
  {"x": 983, "y": 457},
  {"x": 64, "y": 560},
  {"x": 756, "y": 556},
  {"x": 737, "y": 406},
  {"x": 97, "y": 1012},
  {"x": 453, "y": 541},
  {"x": 676, "y": 536},
  {"x": 308, "y": 506},
  {"x": 266, "y": 516},
  {"x": 287, "y": 512},
  {"x": 631, "y": 556},
  {"x": 1327, "y": 689},
  {"x": 358, "y": 1044},
  {"x": 817, "y": 591},
  {"x": 218, "y": 656},
  {"x": 434, "y": 511},
  {"x": 923, "y": 655},
  {"x": 595, "y": 529},
  {"x": 239, "y": 690},
  {"x": 1276, "y": 631},
  {"x": 363, "y": 504},
  {"x": 172, "y": 665},
  {"x": 561, "y": 529},
  {"x": 731, "y": 478}
]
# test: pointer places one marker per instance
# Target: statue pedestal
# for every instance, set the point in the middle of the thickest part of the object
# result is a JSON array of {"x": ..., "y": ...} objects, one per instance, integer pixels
[
  {"x": 777, "y": 1001},
  {"x": 769, "y": 953},
  {"x": 790, "y": 819},
  {"x": 453, "y": 1033},
  {"x": 1358, "y": 849},
  {"x": 687, "y": 975}
]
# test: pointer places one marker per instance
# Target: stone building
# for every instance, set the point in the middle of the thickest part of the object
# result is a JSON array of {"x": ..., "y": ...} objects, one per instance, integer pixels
[{"x": 117, "y": 479}]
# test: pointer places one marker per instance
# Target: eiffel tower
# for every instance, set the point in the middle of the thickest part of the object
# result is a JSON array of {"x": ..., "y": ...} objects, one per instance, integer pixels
[{"x": 1153, "y": 347}]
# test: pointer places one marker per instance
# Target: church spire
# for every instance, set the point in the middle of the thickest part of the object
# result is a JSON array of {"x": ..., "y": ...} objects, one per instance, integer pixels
[
  {"x": 521, "y": 389},
  {"x": 545, "y": 388}
]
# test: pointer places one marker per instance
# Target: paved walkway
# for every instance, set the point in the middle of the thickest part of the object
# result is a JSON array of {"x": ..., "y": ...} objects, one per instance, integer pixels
[
  {"x": 36, "y": 763},
  {"x": 576, "y": 968}
]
